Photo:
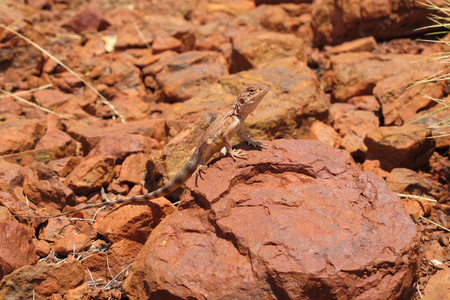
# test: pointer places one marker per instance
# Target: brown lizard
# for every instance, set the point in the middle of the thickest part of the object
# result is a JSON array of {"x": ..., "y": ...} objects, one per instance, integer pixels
[{"x": 215, "y": 137}]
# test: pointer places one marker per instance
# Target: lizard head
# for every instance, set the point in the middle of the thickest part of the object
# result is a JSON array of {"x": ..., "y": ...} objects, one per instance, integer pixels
[{"x": 249, "y": 98}]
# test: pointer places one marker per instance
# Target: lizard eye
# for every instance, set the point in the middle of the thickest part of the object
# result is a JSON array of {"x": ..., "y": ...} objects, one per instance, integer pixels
[{"x": 252, "y": 90}]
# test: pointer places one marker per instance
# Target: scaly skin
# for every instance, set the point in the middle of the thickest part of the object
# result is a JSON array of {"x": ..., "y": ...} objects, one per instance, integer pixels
[{"x": 216, "y": 137}]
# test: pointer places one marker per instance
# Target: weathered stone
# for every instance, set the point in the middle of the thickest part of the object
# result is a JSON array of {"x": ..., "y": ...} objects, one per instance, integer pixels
[
  {"x": 353, "y": 126},
  {"x": 369, "y": 103},
  {"x": 11, "y": 176},
  {"x": 183, "y": 76},
  {"x": 359, "y": 45},
  {"x": 43, "y": 187},
  {"x": 336, "y": 21},
  {"x": 19, "y": 134},
  {"x": 50, "y": 98},
  {"x": 296, "y": 220},
  {"x": 73, "y": 243},
  {"x": 166, "y": 43},
  {"x": 91, "y": 174},
  {"x": 59, "y": 142},
  {"x": 90, "y": 135},
  {"x": 104, "y": 265},
  {"x": 253, "y": 50},
  {"x": 88, "y": 19},
  {"x": 407, "y": 146},
  {"x": 324, "y": 133},
  {"x": 402, "y": 180},
  {"x": 438, "y": 287},
  {"x": 41, "y": 280},
  {"x": 17, "y": 248},
  {"x": 119, "y": 145},
  {"x": 136, "y": 168},
  {"x": 135, "y": 222},
  {"x": 64, "y": 166}
]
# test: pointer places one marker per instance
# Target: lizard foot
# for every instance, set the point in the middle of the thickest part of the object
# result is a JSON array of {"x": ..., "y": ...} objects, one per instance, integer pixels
[{"x": 238, "y": 153}]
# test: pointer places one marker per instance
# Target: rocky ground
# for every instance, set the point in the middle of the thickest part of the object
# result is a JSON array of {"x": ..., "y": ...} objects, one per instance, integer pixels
[{"x": 298, "y": 220}]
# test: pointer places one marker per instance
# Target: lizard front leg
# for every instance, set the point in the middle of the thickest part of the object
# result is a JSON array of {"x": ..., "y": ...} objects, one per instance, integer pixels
[
  {"x": 249, "y": 140},
  {"x": 234, "y": 153}
]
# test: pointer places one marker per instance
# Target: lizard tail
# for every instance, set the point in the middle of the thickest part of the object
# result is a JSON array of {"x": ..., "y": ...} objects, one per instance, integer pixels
[{"x": 184, "y": 174}]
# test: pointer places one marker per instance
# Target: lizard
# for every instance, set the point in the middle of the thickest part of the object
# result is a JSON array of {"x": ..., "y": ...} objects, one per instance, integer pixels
[{"x": 216, "y": 137}]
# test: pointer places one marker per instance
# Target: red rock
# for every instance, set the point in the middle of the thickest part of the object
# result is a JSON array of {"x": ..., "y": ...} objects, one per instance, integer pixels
[
  {"x": 417, "y": 208},
  {"x": 185, "y": 75},
  {"x": 156, "y": 25},
  {"x": 17, "y": 248},
  {"x": 7, "y": 105},
  {"x": 374, "y": 167},
  {"x": 43, "y": 187},
  {"x": 54, "y": 229},
  {"x": 74, "y": 243},
  {"x": 42, "y": 248},
  {"x": 51, "y": 99},
  {"x": 131, "y": 104},
  {"x": 402, "y": 100},
  {"x": 136, "y": 168},
  {"x": 91, "y": 174},
  {"x": 324, "y": 133},
  {"x": 337, "y": 21},
  {"x": 11, "y": 176},
  {"x": 5, "y": 214},
  {"x": 166, "y": 43},
  {"x": 12, "y": 204},
  {"x": 19, "y": 134},
  {"x": 59, "y": 142},
  {"x": 435, "y": 119},
  {"x": 104, "y": 265},
  {"x": 401, "y": 180},
  {"x": 361, "y": 73},
  {"x": 135, "y": 222},
  {"x": 119, "y": 145},
  {"x": 64, "y": 166},
  {"x": 353, "y": 126},
  {"x": 365, "y": 103},
  {"x": 42, "y": 280},
  {"x": 296, "y": 219},
  {"x": 438, "y": 287},
  {"x": 254, "y": 49},
  {"x": 408, "y": 146},
  {"x": 88, "y": 19},
  {"x": 275, "y": 18},
  {"x": 89, "y": 136},
  {"x": 39, "y": 3},
  {"x": 359, "y": 45}
]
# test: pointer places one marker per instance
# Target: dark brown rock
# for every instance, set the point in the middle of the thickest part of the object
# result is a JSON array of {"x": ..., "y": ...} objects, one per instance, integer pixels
[
  {"x": 88, "y": 19},
  {"x": 41, "y": 280},
  {"x": 135, "y": 222},
  {"x": 407, "y": 146},
  {"x": 296, "y": 220},
  {"x": 16, "y": 248},
  {"x": 91, "y": 174},
  {"x": 43, "y": 187}
]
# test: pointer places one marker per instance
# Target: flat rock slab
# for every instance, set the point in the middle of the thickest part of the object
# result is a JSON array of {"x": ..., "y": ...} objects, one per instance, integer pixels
[{"x": 297, "y": 220}]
